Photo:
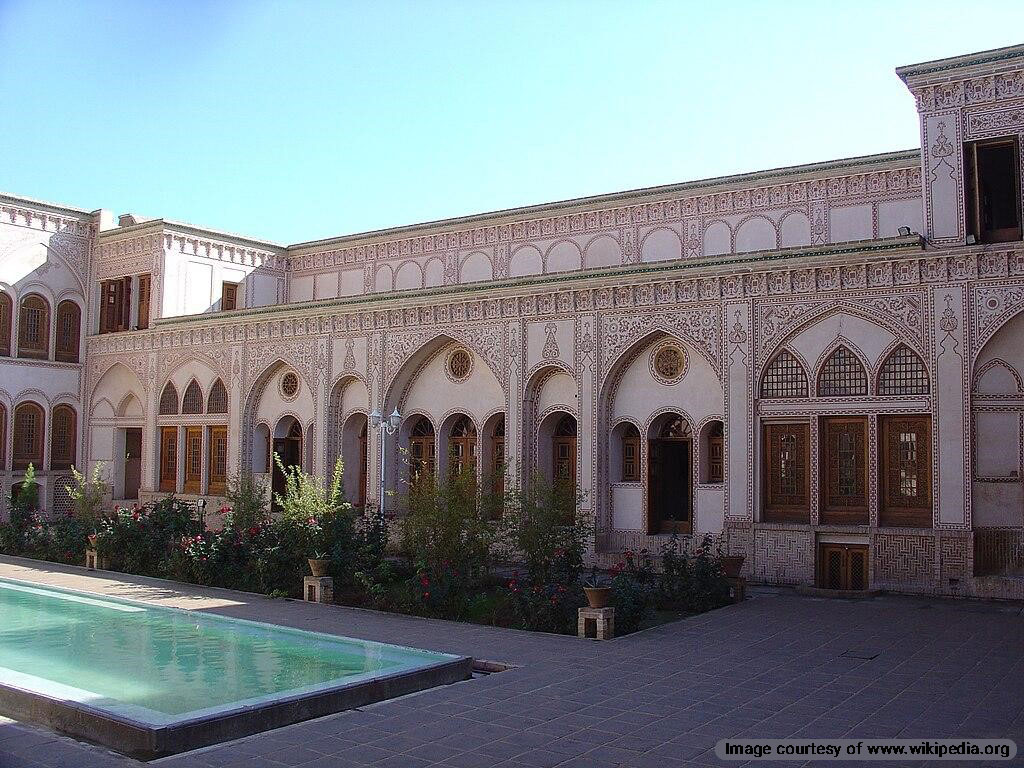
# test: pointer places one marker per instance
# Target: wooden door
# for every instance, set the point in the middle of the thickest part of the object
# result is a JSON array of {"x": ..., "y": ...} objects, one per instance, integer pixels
[
  {"x": 193, "y": 459},
  {"x": 844, "y": 462},
  {"x": 421, "y": 453},
  {"x": 843, "y": 566},
  {"x": 670, "y": 486},
  {"x": 363, "y": 464},
  {"x": 218, "y": 469},
  {"x": 168, "y": 459},
  {"x": 906, "y": 472},
  {"x": 787, "y": 497},
  {"x": 133, "y": 463}
]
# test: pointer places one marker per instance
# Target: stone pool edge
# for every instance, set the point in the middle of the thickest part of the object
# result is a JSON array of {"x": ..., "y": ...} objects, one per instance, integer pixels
[{"x": 146, "y": 742}]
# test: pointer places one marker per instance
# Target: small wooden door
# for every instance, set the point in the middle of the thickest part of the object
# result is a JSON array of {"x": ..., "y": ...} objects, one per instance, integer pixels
[
  {"x": 786, "y": 495},
  {"x": 843, "y": 566},
  {"x": 133, "y": 463},
  {"x": 906, "y": 472},
  {"x": 193, "y": 459},
  {"x": 462, "y": 449},
  {"x": 844, "y": 464},
  {"x": 168, "y": 459},
  {"x": 218, "y": 469},
  {"x": 563, "y": 452},
  {"x": 363, "y": 465}
]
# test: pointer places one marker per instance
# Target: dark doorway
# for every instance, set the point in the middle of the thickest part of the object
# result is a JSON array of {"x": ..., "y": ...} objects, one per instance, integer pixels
[
  {"x": 289, "y": 448},
  {"x": 132, "y": 462},
  {"x": 992, "y": 186},
  {"x": 670, "y": 479}
]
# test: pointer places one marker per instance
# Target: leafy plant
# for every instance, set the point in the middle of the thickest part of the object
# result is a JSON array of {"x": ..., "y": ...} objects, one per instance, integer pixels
[
  {"x": 247, "y": 496},
  {"x": 88, "y": 495}
]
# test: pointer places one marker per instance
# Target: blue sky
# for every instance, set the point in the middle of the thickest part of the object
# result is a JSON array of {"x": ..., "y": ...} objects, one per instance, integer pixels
[{"x": 293, "y": 121}]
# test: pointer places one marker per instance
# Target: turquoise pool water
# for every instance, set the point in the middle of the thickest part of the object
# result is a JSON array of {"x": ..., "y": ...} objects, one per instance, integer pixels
[{"x": 162, "y": 665}]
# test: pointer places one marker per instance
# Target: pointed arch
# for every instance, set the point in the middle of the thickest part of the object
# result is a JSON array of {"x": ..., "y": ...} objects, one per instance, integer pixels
[
  {"x": 6, "y": 322},
  {"x": 63, "y": 437},
  {"x": 842, "y": 374},
  {"x": 168, "y": 400},
  {"x": 29, "y": 430},
  {"x": 217, "y": 401},
  {"x": 34, "y": 327},
  {"x": 69, "y": 326},
  {"x": 902, "y": 372},
  {"x": 784, "y": 377},
  {"x": 192, "y": 400}
]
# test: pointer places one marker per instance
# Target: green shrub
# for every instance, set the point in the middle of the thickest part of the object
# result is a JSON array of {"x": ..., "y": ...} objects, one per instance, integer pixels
[{"x": 693, "y": 583}]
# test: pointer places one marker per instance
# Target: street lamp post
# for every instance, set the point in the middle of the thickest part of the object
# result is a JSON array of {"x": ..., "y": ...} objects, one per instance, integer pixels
[{"x": 387, "y": 427}]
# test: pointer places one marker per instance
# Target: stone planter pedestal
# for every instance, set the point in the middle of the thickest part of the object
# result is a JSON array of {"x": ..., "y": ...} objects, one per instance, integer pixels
[
  {"x": 318, "y": 589},
  {"x": 596, "y": 623}
]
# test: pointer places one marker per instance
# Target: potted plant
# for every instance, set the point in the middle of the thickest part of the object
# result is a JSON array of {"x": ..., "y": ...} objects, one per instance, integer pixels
[
  {"x": 732, "y": 564},
  {"x": 596, "y": 590},
  {"x": 318, "y": 563}
]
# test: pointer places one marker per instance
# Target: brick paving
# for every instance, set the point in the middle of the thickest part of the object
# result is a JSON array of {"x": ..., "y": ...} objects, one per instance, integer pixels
[{"x": 777, "y": 666}]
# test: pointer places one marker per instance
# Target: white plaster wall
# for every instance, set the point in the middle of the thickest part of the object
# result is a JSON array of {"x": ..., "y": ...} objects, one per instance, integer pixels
[
  {"x": 325, "y": 286},
  {"x": 628, "y": 507},
  {"x": 193, "y": 279},
  {"x": 351, "y": 282},
  {"x": 893, "y": 214},
  {"x": 272, "y": 406},
  {"x": 476, "y": 267},
  {"x": 525, "y": 260},
  {"x": 661, "y": 244},
  {"x": 795, "y": 231},
  {"x": 435, "y": 394},
  {"x": 755, "y": 234},
  {"x": 558, "y": 391},
  {"x": 866, "y": 337},
  {"x": 850, "y": 223},
  {"x": 639, "y": 395},
  {"x": 603, "y": 251}
]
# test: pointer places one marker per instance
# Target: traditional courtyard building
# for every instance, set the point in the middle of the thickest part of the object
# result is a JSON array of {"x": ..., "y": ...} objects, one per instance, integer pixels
[{"x": 823, "y": 365}]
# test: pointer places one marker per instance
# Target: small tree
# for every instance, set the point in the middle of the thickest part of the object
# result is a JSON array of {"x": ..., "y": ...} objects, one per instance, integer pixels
[
  {"x": 88, "y": 495},
  {"x": 247, "y": 496}
]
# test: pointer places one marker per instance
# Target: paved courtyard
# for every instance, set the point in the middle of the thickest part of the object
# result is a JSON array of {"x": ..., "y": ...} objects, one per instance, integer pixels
[{"x": 777, "y": 666}]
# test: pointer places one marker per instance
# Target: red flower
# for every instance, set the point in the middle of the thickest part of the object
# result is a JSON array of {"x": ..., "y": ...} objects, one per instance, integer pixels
[
  {"x": 424, "y": 581},
  {"x": 426, "y": 595}
]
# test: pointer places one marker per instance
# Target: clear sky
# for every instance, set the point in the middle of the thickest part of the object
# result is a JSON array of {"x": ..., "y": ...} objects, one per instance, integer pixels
[{"x": 293, "y": 121}]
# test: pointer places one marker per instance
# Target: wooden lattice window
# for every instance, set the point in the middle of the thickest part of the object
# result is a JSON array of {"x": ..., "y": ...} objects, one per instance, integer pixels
[
  {"x": 6, "y": 318},
  {"x": 903, "y": 373},
  {"x": 169, "y": 400},
  {"x": 69, "y": 323},
  {"x": 564, "y": 451},
  {"x": 115, "y": 305},
  {"x": 63, "y": 437},
  {"x": 716, "y": 452},
  {"x": 3, "y": 437},
  {"x": 787, "y": 498},
  {"x": 34, "y": 327},
  {"x": 217, "y": 402},
  {"x": 784, "y": 377},
  {"x": 421, "y": 451},
  {"x": 364, "y": 463},
  {"x": 843, "y": 375},
  {"x": 29, "y": 428},
  {"x": 843, "y": 566},
  {"x": 630, "y": 454},
  {"x": 459, "y": 364},
  {"x": 498, "y": 456},
  {"x": 192, "y": 401},
  {"x": 218, "y": 470},
  {"x": 844, "y": 470},
  {"x": 193, "y": 459},
  {"x": 462, "y": 448},
  {"x": 169, "y": 458}
]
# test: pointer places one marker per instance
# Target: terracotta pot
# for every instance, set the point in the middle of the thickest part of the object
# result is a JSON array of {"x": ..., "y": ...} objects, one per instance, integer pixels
[
  {"x": 597, "y": 597},
  {"x": 91, "y": 538},
  {"x": 732, "y": 566},
  {"x": 318, "y": 566}
]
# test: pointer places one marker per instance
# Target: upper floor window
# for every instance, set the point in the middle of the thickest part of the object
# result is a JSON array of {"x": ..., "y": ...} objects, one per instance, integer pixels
[
  {"x": 168, "y": 400},
  {"x": 115, "y": 305},
  {"x": 229, "y": 296},
  {"x": 217, "y": 402},
  {"x": 903, "y": 373},
  {"x": 69, "y": 322},
  {"x": 843, "y": 375},
  {"x": 192, "y": 400},
  {"x": 63, "y": 437},
  {"x": 34, "y": 327},
  {"x": 992, "y": 189},
  {"x": 6, "y": 315},
  {"x": 145, "y": 281},
  {"x": 29, "y": 427}
]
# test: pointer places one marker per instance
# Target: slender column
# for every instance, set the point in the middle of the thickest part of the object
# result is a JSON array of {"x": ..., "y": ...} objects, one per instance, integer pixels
[
  {"x": 951, "y": 437},
  {"x": 740, "y": 438}
]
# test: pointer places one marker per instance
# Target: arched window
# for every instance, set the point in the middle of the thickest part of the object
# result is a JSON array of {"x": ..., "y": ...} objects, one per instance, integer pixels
[
  {"x": 564, "y": 450},
  {"x": 63, "y": 437},
  {"x": 843, "y": 375},
  {"x": 421, "y": 451},
  {"x": 630, "y": 453},
  {"x": 784, "y": 377},
  {"x": 34, "y": 327},
  {"x": 168, "y": 400},
  {"x": 29, "y": 428},
  {"x": 192, "y": 401},
  {"x": 676, "y": 428},
  {"x": 69, "y": 323},
  {"x": 462, "y": 446},
  {"x": 715, "y": 452},
  {"x": 363, "y": 466},
  {"x": 903, "y": 373},
  {"x": 3, "y": 437},
  {"x": 498, "y": 456},
  {"x": 217, "y": 402},
  {"x": 6, "y": 315}
]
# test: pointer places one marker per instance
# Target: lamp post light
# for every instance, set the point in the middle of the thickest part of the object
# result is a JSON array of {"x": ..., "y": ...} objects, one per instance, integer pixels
[{"x": 387, "y": 427}]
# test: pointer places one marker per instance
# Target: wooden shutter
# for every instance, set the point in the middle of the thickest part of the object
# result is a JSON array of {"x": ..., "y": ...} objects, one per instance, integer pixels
[
  {"x": 631, "y": 457},
  {"x": 843, "y": 566},
  {"x": 145, "y": 282},
  {"x": 218, "y": 470},
  {"x": 3, "y": 437},
  {"x": 29, "y": 428},
  {"x": 229, "y": 296},
  {"x": 124, "y": 312},
  {"x": 6, "y": 319},
  {"x": 69, "y": 320},
  {"x": 786, "y": 459},
  {"x": 906, "y": 472},
  {"x": 63, "y": 437},
  {"x": 844, "y": 471},
  {"x": 193, "y": 459},
  {"x": 168, "y": 459},
  {"x": 34, "y": 328}
]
